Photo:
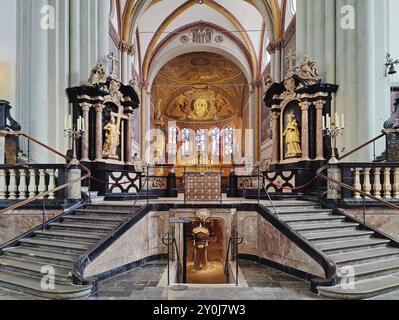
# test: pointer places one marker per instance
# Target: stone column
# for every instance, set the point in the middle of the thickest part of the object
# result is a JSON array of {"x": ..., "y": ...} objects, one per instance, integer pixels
[
  {"x": 125, "y": 79},
  {"x": 99, "y": 132},
  {"x": 319, "y": 134},
  {"x": 275, "y": 117},
  {"x": 103, "y": 31},
  {"x": 305, "y": 130},
  {"x": 85, "y": 138},
  {"x": 129, "y": 133},
  {"x": 74, "y": 43}
]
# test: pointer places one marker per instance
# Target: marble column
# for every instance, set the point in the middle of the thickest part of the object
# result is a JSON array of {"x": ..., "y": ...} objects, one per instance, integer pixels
[
  {"x": 305, "y": 130},
  {"x": 129, "y": 135},
  {"x": 275, "y": 117},
  {"x": 99, "y": 132},
  {"x": 319, "y": 134},
  {"x": 74, "y": 42},
  {"x": 125, "y": 79},
  {"x": 103, "y": 31},
  {"x": 85, "y": 138}
]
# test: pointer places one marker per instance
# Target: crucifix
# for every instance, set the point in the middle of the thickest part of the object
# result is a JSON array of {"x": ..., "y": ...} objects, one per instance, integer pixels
[
  {"x": 120, "y": 126},
  {"x": 114, "y": 61},
  {"x": 290, "y": 59}
]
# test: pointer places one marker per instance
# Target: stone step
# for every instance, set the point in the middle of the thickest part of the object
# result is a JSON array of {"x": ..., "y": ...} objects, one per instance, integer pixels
[
  {"x": 104, "y": 214},
  {"x": 91, "y": 238},
  {"x": 50, "y": 257},
  {"x": 94, "y": 219},
  {"x": 364, "y": 289},
  {"x": 34, "y": 268},
  {"x": 372, "y": 269},
  {"x": 328, "y": 236},
  {"x": 58, "y": 246},
  {"x": 363, "y": 256},
  {"x": 353, "y": 245},
  {"x": 82, "y": 227},
  {"x": 299, "y": 220},
  {"x": 304, "y": 211},
  {"x": 111, "y": 208},
  {"x": 319, "y": 227},
  {"x": 32, "y": 285}
]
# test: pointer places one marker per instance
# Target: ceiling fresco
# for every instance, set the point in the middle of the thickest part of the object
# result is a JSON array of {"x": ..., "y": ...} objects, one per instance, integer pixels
[{"x": 200, "y": 87}]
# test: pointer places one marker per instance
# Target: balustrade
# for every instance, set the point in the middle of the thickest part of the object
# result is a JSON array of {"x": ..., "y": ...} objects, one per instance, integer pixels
[
  {"x": 377, "y": 179},
  {"x": 20, "y": 182}
]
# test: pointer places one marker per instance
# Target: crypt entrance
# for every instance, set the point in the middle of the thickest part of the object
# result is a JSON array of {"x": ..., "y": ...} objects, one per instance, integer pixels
[{"x": 204, "y": 266}]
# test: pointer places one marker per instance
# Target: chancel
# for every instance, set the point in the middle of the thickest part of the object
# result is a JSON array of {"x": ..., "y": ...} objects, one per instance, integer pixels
[{"x": 213, "y": 149}]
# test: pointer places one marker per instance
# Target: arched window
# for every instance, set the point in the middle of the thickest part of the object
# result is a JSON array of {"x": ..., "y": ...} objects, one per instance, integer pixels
[
  {"x": 200, "y": 141},
  {"x": 228, "y": 141},
  {"x": 186, "y": 137},
  {"x": 172, "y": 140},
  {"x": 215, "y": 138}
]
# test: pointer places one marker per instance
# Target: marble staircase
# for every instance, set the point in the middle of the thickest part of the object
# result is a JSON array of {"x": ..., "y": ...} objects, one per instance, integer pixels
[
  {"x": 23, "y": 267},
  {"x": 370, "y": 260}
]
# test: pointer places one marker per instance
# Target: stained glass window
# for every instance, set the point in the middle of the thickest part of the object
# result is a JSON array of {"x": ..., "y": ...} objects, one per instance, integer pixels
[
  {"x": 215, "y": 141},
  {"x": 172, "y": 139},
  {"x": 228, "y": 141},
  {"x": 186, "y": 142},
  {"x": 201, "y": 140}
]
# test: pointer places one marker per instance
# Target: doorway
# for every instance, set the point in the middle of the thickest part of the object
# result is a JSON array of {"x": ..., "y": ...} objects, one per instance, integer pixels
[{"x": 204, "y": 266}]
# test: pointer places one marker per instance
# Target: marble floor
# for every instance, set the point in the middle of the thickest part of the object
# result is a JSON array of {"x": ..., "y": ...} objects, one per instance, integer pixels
[{"x": 263, "y": 284}]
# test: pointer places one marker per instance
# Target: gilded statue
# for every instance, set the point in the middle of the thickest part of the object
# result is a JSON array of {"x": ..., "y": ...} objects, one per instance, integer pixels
[
  {"x": 111, "y": 139},
  {"x": 97, "y": 75},
  {"x": 292, "y": 138}
]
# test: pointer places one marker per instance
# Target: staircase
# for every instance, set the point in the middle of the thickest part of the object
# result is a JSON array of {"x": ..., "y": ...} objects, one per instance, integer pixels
[
  {"x": 374, "y": 258},
  {"x": 59, "y": 246}
]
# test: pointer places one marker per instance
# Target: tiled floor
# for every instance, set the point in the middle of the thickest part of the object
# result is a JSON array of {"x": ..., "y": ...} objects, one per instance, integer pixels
[{"x": 264, "y": 284}]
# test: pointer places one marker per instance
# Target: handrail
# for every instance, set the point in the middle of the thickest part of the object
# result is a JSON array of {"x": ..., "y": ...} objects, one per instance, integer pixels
[
  {"x": 46, "y": 193},
  {"x": 226, "y": 263},
  {"x": 348, "y": 187}
]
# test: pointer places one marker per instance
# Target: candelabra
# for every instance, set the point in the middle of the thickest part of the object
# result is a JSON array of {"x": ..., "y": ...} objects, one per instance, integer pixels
[
  {"x": 74, "y": 133},
  {"x": 333, "y": 131}
]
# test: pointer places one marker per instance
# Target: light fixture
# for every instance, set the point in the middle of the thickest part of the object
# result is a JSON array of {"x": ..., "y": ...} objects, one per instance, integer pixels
[
  {"x": 391, "y": 64},
  {"x": 200, "y": 1}
]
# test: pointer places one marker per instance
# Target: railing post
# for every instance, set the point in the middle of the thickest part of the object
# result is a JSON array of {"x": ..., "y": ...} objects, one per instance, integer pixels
[
  {"x": 377, "y": 183},
  {"x": 74, "y": 173},
  {"x": 334, "y": 191},
  {"x": 357, "y": 184},
  {"x": 42, "y": 181},
  {"x": 387, "y": 183},
  {"x": 22, "y": 188},
  {"x": 12, "y": 186},
  {"x": 396, "y": 184},
  {"x": 51, "y": 183},
  {"x": 367, "y": 182},
  {"x": 32, "y": 183},
  {"x": 3, "y": 186}
]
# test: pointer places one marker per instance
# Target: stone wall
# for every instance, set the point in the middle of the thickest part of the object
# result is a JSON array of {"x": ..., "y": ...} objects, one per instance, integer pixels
[
  {"x": 142, "y": 241},
  {"x": 263, "y": 240},
  {"x": 17, "y": 222},
  {"x": 385, "y": 220}
]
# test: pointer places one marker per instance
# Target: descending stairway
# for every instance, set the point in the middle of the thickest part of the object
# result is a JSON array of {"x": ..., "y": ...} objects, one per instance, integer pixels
[
  {"x": 374, "y": 259},
  {"x": 60, "y": 246}
]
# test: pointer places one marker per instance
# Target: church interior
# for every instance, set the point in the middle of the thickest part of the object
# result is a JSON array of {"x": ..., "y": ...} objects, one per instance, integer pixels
[{"x": 199, "y": 149}]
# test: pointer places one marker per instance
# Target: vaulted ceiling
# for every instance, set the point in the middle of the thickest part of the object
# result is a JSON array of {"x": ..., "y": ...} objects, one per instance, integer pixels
[{"x": 149, "y": 23}]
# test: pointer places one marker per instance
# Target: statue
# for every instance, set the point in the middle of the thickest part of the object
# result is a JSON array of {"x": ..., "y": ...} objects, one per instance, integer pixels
[
  {"x": 268, "y": 81},
  {"x": 115, "y": 95},
  {"x": 111, "y": 139},
  {"x": 292, "y": 138},
  {"x": 139, "y": 165},
  {"x": 97, "y": 75},
  {"x": 158, "y": 112},
  {"x": 307, "y": 71}
]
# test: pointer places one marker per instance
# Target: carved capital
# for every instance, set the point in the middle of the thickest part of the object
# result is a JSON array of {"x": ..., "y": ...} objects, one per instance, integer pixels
[
  {"x": 99, "y": 108},
  {"x": 320, "y": 104},
  {"x": 85, "y": 106},
  {"x": 127, "y": 47},
  {"x": 304, "y": 105},
  {"x": 274, "y": 46}
]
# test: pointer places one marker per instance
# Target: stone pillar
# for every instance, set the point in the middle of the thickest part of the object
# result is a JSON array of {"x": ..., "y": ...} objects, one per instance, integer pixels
[
  {"x": 104, "y": 10},
  {"x": 305, "y": 130},
  {"x": 125, "y": 79},
  {"x": 85, "y": 138},
  {"x": 74, "y": 190},
  {"x": 275, "y": 117},
  {"x": 74, "y": 43},
  {"x": 99, "y": 132},
  {"x": 319, "y": 134},
  {"x": 128, "y": 136}
]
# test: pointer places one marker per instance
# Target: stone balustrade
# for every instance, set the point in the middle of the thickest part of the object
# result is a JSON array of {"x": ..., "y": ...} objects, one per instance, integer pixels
[
  {"x": 378, "y": 179},
  {"x": 23, "y": 182}
]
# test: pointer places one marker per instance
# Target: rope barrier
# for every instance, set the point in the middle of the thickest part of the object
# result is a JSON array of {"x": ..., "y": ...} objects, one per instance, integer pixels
[{"x": 289, "y": 188}]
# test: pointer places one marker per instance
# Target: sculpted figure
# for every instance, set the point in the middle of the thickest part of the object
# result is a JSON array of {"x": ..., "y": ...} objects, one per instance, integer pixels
[
  {"x": 111, "y": 139},
  {"x": 292, "y": 138},
  {"x": 97, "y": 75}
]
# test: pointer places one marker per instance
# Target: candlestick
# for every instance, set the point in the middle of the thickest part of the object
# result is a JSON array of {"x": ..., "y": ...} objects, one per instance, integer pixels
[
  {"x": 337, "y": 120},
  {"x": 343, "y": 121},
  {"x": 324, "y": 123}
]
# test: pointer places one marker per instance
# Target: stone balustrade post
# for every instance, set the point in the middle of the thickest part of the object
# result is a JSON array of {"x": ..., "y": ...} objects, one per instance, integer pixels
[
  {"x": 32, "y": 183},
  {"x": 42, "y": 181},
  {"x": 12, "y": 186},
  {"x": 51, "y": 183},
  {"x": 377, "y": 183},
  {"x": 3, "y": 185},
  {"x": 357, "y": 184},
  {"x": 387, "y": 183},
  {"x": 396, "y": 184},
  {"x": 22, "y": 188}
]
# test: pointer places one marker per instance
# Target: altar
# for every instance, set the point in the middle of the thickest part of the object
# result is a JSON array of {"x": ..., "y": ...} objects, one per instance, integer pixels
[{"x": 202, "y": 186}]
